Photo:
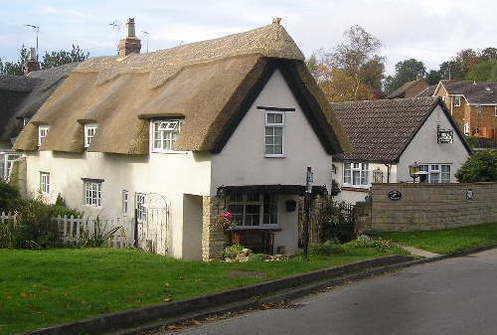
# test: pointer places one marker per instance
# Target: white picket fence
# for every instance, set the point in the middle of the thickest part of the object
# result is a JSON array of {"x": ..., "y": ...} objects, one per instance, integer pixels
[{"x": 75, "y": 230}]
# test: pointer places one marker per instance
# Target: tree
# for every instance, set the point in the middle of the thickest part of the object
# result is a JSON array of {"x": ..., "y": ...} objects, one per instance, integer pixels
[
  {"x": 15, "y": 68},
  {"x": 352, "y": 70},
  {"x": 61, "y": 57},
  {"x": 480, "y": 167},
  {"x": 433, "y": 77},
  {"x": 407, "y": 70},
  {"x": 489, "y": 54},
  {"x": 451, "y": 70},
  {"x": 484, "y": 71}
]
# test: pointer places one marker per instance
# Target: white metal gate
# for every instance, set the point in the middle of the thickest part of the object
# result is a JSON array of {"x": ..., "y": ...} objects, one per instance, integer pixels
[{"x": 153, "y": 217}]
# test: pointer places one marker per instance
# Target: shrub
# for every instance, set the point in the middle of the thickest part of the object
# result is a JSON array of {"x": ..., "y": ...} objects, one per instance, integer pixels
[
  {"x": 480, "y": 167},
  {"x": 336, "y": 221},
  {"x": 100, "y": 236},
  {"x": 233, "y": 251},
  {"x": 9, "y": 197},
  {"x": 327, "y": 248}
]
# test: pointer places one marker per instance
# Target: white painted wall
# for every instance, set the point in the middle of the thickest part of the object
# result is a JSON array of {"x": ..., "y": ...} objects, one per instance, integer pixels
[
  {"x": 425, "y": 149},
  {"x": 171, "y": 175},
  {"x": 242, "y": 160},
  {"x": 178, "y": 176}
]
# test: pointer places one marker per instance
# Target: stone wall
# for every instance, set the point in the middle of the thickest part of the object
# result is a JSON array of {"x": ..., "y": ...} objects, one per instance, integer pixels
[
  {"x": 213, "y": 237},
  {"x": 428, "y": 206}
]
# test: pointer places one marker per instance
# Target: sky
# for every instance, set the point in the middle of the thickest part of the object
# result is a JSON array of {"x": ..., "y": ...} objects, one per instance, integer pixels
[{"x": 429, "y": 30}]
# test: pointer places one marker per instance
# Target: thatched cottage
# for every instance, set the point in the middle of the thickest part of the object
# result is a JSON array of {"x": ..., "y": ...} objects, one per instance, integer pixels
[
  {"x": 188, "y": 132},
  {"x": 20, "y": 98},
  {"x": 397, "y": 140}
]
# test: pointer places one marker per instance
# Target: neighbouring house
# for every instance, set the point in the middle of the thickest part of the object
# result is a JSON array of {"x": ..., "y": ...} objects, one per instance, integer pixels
[
  {"x": 20, "y": 98},
  {"x": 183, "y": 134},
  {"x": 388, "y": 136},
  {"x": 473, "y": 106},
  {"x": 410, "y": 89}
]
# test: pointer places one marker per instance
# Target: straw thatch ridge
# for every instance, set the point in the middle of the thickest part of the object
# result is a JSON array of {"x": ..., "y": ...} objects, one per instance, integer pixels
[{"x": 210, "y": 84}]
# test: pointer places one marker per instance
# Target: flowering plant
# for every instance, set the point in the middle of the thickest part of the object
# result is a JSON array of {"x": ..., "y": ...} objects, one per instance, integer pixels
[{"x": 225, "y": 219}]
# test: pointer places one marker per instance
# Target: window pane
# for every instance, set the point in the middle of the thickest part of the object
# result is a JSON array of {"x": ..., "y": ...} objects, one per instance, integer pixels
[
  {"x": 278, "y": 131},
  {"x": 270, "y": 209},
  {"x": 278, "y": 150},
  {"x": 252, "y": 215},
  {"x": 356, "y": 177}
]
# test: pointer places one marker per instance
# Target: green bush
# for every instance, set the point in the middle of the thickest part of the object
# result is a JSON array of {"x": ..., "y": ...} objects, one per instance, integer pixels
[
  {"x": 9, "y": 197},
  {"x": 481, "y": 167},
  {"x": 327, "y": 248},
  {"x": 233, "y": 250},
  {"x": 336, "y": 221}
]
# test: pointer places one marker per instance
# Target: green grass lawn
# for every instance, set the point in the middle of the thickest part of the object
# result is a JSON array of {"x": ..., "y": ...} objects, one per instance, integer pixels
[
  {"x": 450, "y": 240},
  {"x": 47, "y": 287}
]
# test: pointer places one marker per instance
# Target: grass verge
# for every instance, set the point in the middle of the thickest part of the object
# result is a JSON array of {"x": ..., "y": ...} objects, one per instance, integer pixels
[
  {"x": 447, "y": 241},
  {"x": 47, "y": 287}
]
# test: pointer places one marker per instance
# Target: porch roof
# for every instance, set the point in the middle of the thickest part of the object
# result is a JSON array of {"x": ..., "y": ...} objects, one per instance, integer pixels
[{"x": 270, "y": 189}]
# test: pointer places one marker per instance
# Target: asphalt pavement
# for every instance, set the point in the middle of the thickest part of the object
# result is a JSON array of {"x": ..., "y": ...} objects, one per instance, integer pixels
[{"x": 453, "y": 296}]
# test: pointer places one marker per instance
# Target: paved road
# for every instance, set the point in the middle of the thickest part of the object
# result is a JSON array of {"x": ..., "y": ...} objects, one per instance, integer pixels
[{"x": 454, "y": 296}]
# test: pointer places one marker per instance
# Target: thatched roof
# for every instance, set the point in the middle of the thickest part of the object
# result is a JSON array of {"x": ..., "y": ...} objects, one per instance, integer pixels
[
  {"x": 37, "y": 86},
  {"x": 211, "y": 84}
]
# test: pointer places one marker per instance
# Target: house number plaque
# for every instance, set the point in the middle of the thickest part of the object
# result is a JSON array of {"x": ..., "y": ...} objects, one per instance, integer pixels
[{"x": 394, "y": 195}]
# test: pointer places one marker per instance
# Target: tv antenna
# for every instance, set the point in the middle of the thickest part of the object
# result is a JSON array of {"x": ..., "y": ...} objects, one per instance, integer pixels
[
  {"x": 36, "y": 30},
  {"x": 147, "y": 34}
]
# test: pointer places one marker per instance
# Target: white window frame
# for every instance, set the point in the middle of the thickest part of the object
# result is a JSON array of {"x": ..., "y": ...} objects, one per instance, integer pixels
[
  {"x": 246, "y": 200},
  {"x": 457, "y": 100},
  {"x": 273, "y": 126},
  {"x": 92, "y": 192},
  {"x": 361, "y": 168},
  {"x": 44, "y": 182},
  {"x": 125, "y": 202},
  {"x": 467, "y": 129},
  {"x": 436, "y": 173},
  {"x": 141, "y": 211},
  {"x": 42, "y": 134},
  {"x": 495, "y": 108},
  {"x": 7, "y": 160},
  {"x": 90, "y": 132},
  {"x": 164, "y": 134}
]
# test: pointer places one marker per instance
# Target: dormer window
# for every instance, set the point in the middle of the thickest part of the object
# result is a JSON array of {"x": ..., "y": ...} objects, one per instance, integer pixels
[
  {"x": 90, "y": 131},
  {"x": 165, "y": 134},
  {"x": 42, "y": 134}
]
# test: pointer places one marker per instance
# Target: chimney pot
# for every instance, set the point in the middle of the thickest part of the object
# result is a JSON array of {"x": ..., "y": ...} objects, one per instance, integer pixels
[{"x": 277, "y": 20}]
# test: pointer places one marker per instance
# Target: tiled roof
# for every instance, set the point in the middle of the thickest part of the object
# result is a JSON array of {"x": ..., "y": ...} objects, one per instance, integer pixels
[
  {"x": 402, "y": 90},
  {"x": 427, "y": 92},
  {"x": 475, "y": 93},
  {"x": 380, "y": 130}
]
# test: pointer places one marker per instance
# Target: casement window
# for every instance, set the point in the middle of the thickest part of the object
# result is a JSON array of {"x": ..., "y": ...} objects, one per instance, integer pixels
[
  {"x": 457, "y": 101},
  {"x": 125, "y": 202},
  {"x": 45, "y": 182},
  {"x": 90, "y": 131},
  {"x": 466, "y": 129},
  {"x": 165, "y": 134},
  {"x": 436, "y": 173},
  {"x": 7, "y": 160},
  {"x": 274, "y": 145},
  {"x": 42, "y": 134},
  {"x": 356, "y": 174},
  {"x": 141, "y": 213},
  {"x": 251, "y": 210},
  {"x": 92, "y": 193}
]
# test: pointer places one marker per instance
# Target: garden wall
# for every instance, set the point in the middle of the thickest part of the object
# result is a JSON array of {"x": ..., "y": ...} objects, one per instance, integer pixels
[{"x": 403, "y": 206}]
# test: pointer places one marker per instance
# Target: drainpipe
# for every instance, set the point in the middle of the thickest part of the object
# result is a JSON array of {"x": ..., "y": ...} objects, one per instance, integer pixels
[{"x": 388, "y": 173}]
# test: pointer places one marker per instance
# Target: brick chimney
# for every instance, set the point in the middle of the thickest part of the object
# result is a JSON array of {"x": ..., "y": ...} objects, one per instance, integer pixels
[
  {"x": 130, "y": 44},
  {"x": 32, "y": 63}
]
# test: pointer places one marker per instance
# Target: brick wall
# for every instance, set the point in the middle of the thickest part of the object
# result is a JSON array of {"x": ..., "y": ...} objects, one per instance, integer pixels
[{"x": 427, "y": 207}]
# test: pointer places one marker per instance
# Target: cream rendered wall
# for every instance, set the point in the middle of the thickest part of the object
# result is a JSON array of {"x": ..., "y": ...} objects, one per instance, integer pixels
[
  {"x": 425, "y": 149},
  {"x": 242, "y": 161},
  {"x": 355, "y": 196},
  {"x": 171, "y": 175}
]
